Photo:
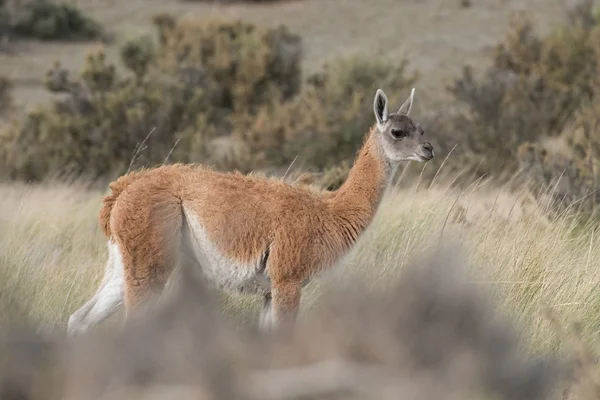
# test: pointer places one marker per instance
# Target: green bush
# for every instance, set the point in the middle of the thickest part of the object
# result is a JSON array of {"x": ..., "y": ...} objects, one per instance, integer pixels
[
  {"x": 47, "y": 20},
  {"x": 531, "y": 90}
]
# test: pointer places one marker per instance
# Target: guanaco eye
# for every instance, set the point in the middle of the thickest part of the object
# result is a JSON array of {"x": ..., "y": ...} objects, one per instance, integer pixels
[{"x": 398, "y": 133}]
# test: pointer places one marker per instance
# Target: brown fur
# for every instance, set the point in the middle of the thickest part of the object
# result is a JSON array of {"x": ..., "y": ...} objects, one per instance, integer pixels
[
  {"x": 108, "y": 201},
  {"x": 251, "y": 224},
  {"x": 245, "y": 215}
]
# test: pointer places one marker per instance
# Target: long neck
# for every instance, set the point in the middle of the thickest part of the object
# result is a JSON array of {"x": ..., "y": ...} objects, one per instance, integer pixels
[{"x": 358, "y": 199}]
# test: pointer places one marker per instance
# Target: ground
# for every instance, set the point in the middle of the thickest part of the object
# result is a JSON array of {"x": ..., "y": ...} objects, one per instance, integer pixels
[{"x": 437, "y": 36}]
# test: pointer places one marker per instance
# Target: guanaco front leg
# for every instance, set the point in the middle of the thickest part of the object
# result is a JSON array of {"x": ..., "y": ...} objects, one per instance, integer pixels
[
  {"x": 265, "y": 320},
  {"x": 285, "y": 303}
]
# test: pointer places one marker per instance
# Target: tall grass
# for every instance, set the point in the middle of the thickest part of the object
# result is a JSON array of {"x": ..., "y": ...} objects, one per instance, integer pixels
[
  {"x": 52, "y": 254},
  {"x": 531, "y": 259},
  {"x": 51, "y": 250}
]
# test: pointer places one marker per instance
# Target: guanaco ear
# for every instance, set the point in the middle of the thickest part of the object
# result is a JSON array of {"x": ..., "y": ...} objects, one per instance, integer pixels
[
  {"x": 380, "y": 107},
  {"x": 405, "y": 108}
]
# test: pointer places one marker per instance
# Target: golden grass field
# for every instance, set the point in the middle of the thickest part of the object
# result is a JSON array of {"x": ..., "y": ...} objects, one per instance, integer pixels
[
  {"x": 531, "y": 263},
  {"x": 52, "y": 253},
  {"x": 538, "y": 267}
]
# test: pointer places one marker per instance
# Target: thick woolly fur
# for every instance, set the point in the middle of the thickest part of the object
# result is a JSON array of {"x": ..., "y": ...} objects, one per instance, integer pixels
[{"x": 247, "y": 233}]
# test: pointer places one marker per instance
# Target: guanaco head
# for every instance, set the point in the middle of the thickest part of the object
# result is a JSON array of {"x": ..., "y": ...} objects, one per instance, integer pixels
[{"x": 401, "y": 137}]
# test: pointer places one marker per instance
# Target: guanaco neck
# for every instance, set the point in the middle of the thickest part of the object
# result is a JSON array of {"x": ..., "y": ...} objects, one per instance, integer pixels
[{"x": 357, "y": 200}]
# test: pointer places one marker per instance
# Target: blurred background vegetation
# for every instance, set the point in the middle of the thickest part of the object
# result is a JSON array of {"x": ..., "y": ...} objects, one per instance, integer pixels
[{"x": 237, "y": 95}]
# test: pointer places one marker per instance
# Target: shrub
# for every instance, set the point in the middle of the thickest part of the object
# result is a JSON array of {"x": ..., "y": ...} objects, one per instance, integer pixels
[
  {"x": 201, "y": 77},
  {"x": 531, "y": 90},
  {"x": 138, "y": 54},
  {"x": 220, "y": 92},
  {"x": 46, "y": 20},
  {"x": 7, "y": 12},
  {"x": 583, "y": 134},
  {"x": 563, "y": 165},
  {"x": 326, "y": 123},
  {"x": 335, "y": 176},
  {"x": 6, "y": 102},
  {"x": 564, "y": 180},
  {"x": 245, "y": 66},
  {"x": 567, "y": 168},
  {"x": 238, "y": 1}
]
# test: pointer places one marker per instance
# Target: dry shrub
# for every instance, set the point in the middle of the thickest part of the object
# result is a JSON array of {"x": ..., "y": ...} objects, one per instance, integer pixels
[
  {"x": 582, "y": 134},
  {"x": 563, "y": 180},
  {"x": 569, "y": 164},
  {"x": 187, "y": 89},
  {"x": 225, "y": 93},
  {"x": 94, "y": 128},
  {"x": 531, "y": 90},
  {"x": 327, "y": 122},
  {"x": 6, "y": 99},
  {"x": 431, "y": 335},
  {"x": 245, "y": 66},
  {"x": 239, "y": 1},
  {"x": 5, "y": 22},
  {"x": 46, "y": 20},
  {"x": 334, "y": 177}
]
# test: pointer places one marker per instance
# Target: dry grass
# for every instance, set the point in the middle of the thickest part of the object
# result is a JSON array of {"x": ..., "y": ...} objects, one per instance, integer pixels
[
  {"x": 531, "y": 260},
  {"x": 52, "y": 253},
  {"x": 350, "y": 339},
  {"x": 428, "y": 337}
]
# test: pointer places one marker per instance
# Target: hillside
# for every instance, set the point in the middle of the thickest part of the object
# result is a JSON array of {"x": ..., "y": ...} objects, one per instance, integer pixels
[{"x": 439, "y": 37}]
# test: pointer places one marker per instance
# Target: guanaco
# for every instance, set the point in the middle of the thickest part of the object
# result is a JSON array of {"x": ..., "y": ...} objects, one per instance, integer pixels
[{"x": 248, "y": 233}]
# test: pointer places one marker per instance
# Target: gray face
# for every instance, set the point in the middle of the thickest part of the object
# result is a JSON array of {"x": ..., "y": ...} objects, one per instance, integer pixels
[
  {"x": 402, "y": 140},
  {"x": 401, "y": 137}
]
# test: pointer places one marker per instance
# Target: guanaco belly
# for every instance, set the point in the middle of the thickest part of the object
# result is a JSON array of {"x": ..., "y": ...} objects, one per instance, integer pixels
[{"x": 225, "y": 272}]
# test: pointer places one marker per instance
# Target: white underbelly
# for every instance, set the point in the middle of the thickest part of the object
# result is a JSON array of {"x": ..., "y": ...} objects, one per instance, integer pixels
[{"x": 227, "y": 274}]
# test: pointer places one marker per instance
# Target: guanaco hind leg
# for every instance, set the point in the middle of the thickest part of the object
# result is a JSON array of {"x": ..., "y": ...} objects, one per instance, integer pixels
[
  {"x": 107, "y": 300},
  {"x": 285, "y": 303},
  {"x": 265, "y": 318}
]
